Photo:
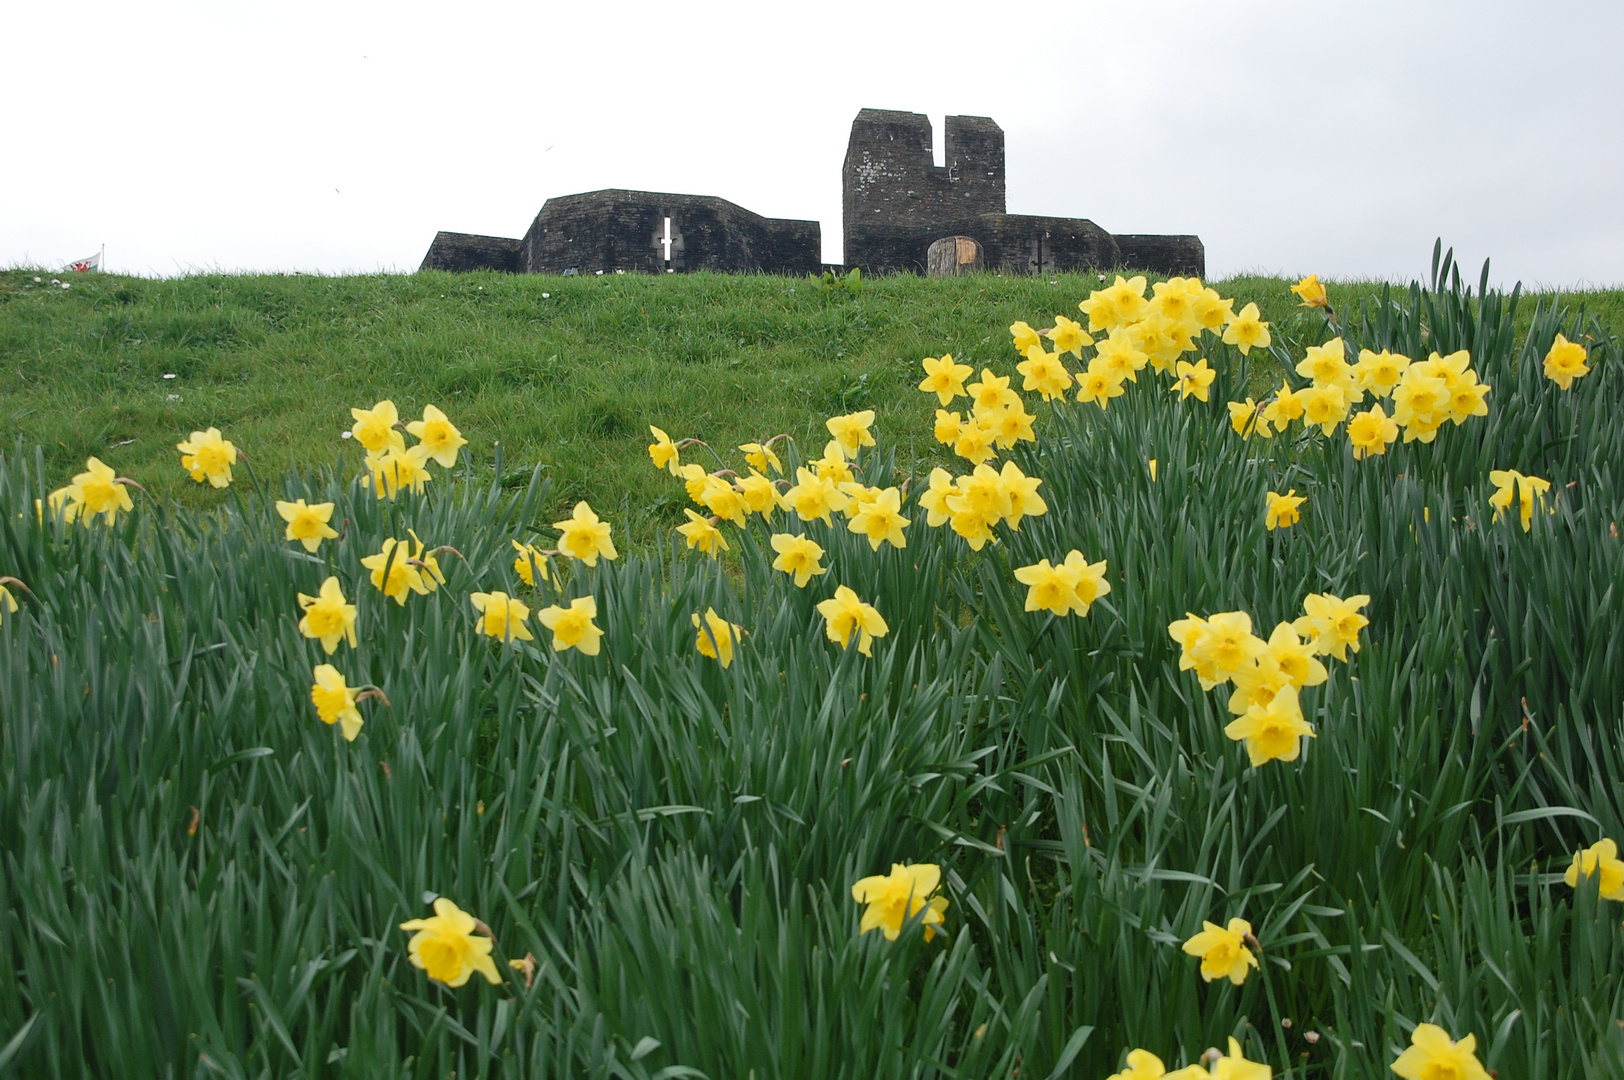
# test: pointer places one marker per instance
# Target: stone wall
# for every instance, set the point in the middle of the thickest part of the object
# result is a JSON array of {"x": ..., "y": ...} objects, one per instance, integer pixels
[
  {"x": 1172, "y": 255},
  {"x": 897, "y": 202},
  {"x": 627, "y": 231},
  {"x": 470, "y": 251}
]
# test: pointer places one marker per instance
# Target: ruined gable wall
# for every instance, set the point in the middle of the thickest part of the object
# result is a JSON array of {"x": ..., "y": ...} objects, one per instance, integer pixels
[
  {"x": 470, "y": 251},
  {"x": 619, "y": 230}
]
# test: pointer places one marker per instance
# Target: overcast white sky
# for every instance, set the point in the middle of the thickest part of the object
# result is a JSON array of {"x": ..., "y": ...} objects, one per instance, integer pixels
[{"x": 1337, "y": 138}]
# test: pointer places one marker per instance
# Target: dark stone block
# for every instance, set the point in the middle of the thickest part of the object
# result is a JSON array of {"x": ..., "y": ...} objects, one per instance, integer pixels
[
  {"x": 470, "y": 251},
  {"x": 651, "y": 232},
  {"x": 1175, "y": 256}
]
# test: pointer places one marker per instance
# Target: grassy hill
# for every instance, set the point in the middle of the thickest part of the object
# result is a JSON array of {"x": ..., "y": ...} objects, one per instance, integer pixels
[
  {"x": 565, "y": 372},
  {"x": 673, "y": 849}
]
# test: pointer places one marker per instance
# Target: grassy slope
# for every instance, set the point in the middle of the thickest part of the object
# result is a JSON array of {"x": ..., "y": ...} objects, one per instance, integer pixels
[{"x": 565, "y": 371}]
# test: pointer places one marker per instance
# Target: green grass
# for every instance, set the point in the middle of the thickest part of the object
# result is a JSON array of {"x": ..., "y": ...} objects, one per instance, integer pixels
[
  {"x": 569, "y": 381},
  {"x": 203, "y": 880}
]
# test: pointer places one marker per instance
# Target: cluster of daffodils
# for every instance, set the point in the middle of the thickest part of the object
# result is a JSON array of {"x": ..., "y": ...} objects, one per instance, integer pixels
[
  {"x": 974, "y": 503},
  {"x": 1135, "y": 331},
  {"x": 1431, "y": 1055},
  {"x": 1268, "y": 675},
  {"x": 390, "y": 463},
  {"x": 1425, "y": 395},
  {"x": 1143, "y": 1065},
  {"x": 822, "y": 488},
  {"x": 997, "y": 418}
]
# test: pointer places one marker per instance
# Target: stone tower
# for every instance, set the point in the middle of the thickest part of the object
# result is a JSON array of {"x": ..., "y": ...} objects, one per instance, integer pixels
[{"x": 897, "y": 201}]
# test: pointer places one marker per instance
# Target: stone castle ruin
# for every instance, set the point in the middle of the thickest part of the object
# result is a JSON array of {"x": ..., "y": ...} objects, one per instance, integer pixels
[{"x": 897, "y": 203}]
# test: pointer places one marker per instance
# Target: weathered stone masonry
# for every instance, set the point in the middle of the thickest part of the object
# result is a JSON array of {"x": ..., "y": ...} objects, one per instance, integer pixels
[{"x": 895, "y": 200}]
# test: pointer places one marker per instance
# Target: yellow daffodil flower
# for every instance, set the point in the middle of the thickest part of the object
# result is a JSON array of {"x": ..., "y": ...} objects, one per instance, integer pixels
[
  {"x": 1049, "y": 588},
  {"x": 896, "y": 897},
  {"x": 8, "y": 603},
  {"x": 1194, "y": 379},
  {"x": 947, "y": 427},
  {"x": 760, "y": 494},
  {"x": 1247, "y": 421},
  {"x": 394, "y": 468},
  {"x": 1512, "y": 486},
  {"x": 1120, "y": 305},
  {"x": 1323, "y": 405},
  {"x": 992, "y": 393},
  {"x": 96, "y": 491},
  {"x": 1120, "y": 354},
  {"x": 438, "y": 436},
  {"x": 1565, "y": 362},
  {"x": 852, "y": 430},
  {"x": 1142, "y": 1065},
  {"x": 1223, "y": 951},
  {"x": 1247, "y": 331},
  {"x": 1012, "y": 425},
  {"x": 1099, "y": 384},
  {"x": 1022, "y": 492},
  {"x": 760, "y": 456},
  {"x": 976, "y": 439},
  {"x": 307, "y": 524},
  {"x": 1332, "y": 623},
  {"x": 327, "y": 617},
  {"x": 1043, "y": 372},
  {"x": 1380, "y": 372},
  {"x": 1072, "y": 586},
  {"x": 573, "y": 627},
  {"x": 1432, "y": 1056},
  {"x": 1174, "y": 300},
  {"x": 846, "y": 615},
  {"x": 1295, "y": 659},
  {"x": 881, "y": 520},
  {"x": 934, "y": 498},
  {"x": 1068, "y": 337},
  {"x": 375, "y": 428},
  {"x": 445, "y": 946},
  {"x": 501, "y": 616},
  {"x": 1210, "y": 310},
  {"x": 1327, "y": 365},
  {"x": 695, "y": 480},
  {"x": 663, "y": 452},
  {"x": 1600, "y": 860},
  {"x": 529, "y": 563},
  {"x": 393, "y": 571},
  {"x": 1371, "y": 432},
  {"x": 1233, "y": 1066},
  {"x": 945, "y": 379},
  {"x": 1226, "y": 645},
  {"x": 1024, "y": 338},
  {"x": 798, "y": 556},
  {"x": 725, "y": 501},
  {"x": 983, "y": 494},
  {"x": 582, "y": 536},
  {"x": 207, "y": 456},
  {"x": 702, "y": 534},
  {"x": 814, "y": 498},
  {"x": 1312, "y": 292},
  {"x": 1272, "y": 732},
  {"x": 335, "y": 701},
  {"x": 1257, "y": 684},
  {"x": 717, "y": 637},
  {"x": 1283, "y": 510},
  {"x": 833, "y": 464}
]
